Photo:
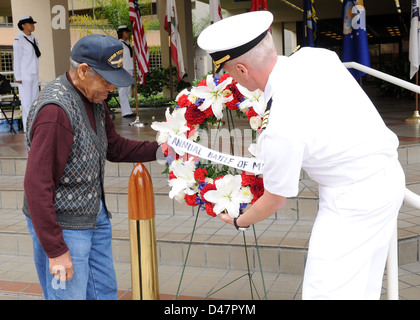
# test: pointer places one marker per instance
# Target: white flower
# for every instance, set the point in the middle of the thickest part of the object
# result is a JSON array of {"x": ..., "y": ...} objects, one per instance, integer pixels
[
  {"x": 175, "y": 124},
  {"x": 162, "y": 137},
  {"x": 255, "y": 122},
  {"x": 191, "y": 97},
  {"x": 213, "y": 95},
  {"x": 228, "y": 195},
  {"x": 254, "y": 150},
  {"x": 185, "y": 91},
  {"x": 253, "y": 99},
  {"x": 246, "y": 191},
  {"x": 184, "y": 182}
]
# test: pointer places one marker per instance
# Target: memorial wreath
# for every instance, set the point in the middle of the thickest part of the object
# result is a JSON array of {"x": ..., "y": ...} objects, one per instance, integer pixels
[{"x": 215, "y": 188}]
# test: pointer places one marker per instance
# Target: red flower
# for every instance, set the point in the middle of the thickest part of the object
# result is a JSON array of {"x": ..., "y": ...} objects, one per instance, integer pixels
[
  {"x": 193, "y": 115},
  {"x": 257, "y": 189},
  {"x": 237, "y": 95},
  {"x": 247, "y": 178},
  {"x": 200, "y": 174},
  {"x": 209, "y": 209},
  {"x": 224, "y": 77},
  {"x": 188, "y": 156},
  {"x": 183, "y": 101},
  {"x": 202, "y": 82},
  {"x": 231, "y": 105},
  {"x": 251, "y": 113},
  {"x": 165, "y": 148},
  {"x": 172, "y": 175},
  {"x": 207, "y": 187},
  {"x": 208, "y": 112},
  {"x": 191, "y": 131},
  {"x": 191, "y": 200}
]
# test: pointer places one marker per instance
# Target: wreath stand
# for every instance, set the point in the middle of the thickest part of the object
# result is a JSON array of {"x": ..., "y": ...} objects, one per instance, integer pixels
[{"x": 248, "y": 274}]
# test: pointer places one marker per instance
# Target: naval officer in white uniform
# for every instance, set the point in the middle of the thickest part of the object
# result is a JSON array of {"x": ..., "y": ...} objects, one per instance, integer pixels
[
  {"x": 318, "y": 119},
  {"x": 26, "y": 55},
  {"x": 124, "y": 92}
]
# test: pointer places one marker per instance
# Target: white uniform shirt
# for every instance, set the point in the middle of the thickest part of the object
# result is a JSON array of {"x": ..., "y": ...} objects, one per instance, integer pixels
[
  {"x": 128, "y": 60},
  {"x": 25, "y": 61},
  {"x": 321, "y": 121}
]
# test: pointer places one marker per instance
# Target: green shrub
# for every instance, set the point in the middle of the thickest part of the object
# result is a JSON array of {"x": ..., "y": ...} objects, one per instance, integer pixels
[
  {"x": 149, "y": 102},
  {"x": 157, "y": 79}
]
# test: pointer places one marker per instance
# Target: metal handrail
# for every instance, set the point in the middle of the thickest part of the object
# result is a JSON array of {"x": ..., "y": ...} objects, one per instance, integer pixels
[{"x": 384, "y": 76}]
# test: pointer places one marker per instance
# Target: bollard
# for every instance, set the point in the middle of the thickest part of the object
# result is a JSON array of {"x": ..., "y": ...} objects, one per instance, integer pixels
[{"x": 143, "y": 252}]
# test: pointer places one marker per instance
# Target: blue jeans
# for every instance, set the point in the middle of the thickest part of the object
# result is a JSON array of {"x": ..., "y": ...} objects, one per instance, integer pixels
[{"x": 91, "y": 252}]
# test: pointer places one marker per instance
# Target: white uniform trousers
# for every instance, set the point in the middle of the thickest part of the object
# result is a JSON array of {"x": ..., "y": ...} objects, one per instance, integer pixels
[
  {"x": 28, "y": 90},
  {"x": 124, "y": 94},
  {"x": 351, "y": 237}
]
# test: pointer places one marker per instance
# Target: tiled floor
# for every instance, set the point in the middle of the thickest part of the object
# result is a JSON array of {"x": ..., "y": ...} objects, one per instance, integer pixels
[
  {"x": 196, "y": 283},
  {"x": 18, "y": 277}
]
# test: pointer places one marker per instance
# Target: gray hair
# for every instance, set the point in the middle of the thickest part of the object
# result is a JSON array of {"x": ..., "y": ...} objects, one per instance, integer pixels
[
  {"x": 258, "y": 56},
  {"x": 74, "y": 65}
]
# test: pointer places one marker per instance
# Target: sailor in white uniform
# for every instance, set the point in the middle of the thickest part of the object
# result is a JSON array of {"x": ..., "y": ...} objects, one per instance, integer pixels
[
  {"x": 318, "y": 119},
  {"x": 26, "y": 55},
  {"x": 124, "y": 92}
]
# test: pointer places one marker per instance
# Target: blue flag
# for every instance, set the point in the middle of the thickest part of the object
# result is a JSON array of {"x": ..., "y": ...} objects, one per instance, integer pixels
[
  {"x": 309, "y": 23},
  {"x": 355, "y": 40}
]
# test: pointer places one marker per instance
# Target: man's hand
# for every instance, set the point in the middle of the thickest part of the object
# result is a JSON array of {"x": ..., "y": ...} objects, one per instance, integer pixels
[
  {"x": 264, "y": 207},
  {"x": 225, "y": 217},
  {"x": 62, "y": 267}
]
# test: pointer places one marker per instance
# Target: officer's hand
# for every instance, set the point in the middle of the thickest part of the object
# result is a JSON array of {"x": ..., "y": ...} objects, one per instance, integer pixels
[{"x": 226, "y": 218}]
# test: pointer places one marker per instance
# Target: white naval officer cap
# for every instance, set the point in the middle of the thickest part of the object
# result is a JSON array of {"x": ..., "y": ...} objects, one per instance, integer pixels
[
  {"x": 230, "y": 38},
  {"x": 123, "y": 28},
  {"x": 25, "y": 19}
]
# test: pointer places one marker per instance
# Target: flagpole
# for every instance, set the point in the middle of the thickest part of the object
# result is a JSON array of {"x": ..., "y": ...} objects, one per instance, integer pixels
[
  {"x": 137, "y": 122},
  {"x": 212, "y": 64},
  {"x": 171, "y": 82}
]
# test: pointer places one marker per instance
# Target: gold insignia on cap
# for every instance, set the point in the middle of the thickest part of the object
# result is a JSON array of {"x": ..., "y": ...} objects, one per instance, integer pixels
[
  {"x": 217, "y": 63},
  {"x": 116, "y": 60}
]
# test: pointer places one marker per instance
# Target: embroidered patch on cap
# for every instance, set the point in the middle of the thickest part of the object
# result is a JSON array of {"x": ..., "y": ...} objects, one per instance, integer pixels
[{"x": 116, "y": 60}]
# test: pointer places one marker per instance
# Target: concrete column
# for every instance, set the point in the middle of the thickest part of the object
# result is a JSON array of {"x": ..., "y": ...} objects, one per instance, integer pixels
[
  {"x": 52, "y": 31},
  {"x": 277, "y": 33},
  {"x": 183, "y": 8}
]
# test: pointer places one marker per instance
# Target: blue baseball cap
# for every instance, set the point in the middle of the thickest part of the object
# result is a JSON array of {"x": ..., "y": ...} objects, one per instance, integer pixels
[{"x": 104, "y": 54}]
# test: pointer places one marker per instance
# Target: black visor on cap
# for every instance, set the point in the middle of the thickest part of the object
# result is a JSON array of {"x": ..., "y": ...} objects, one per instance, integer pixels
[
  {"x": 23, "y": 21},
  {"x": 221, "y": 57}
]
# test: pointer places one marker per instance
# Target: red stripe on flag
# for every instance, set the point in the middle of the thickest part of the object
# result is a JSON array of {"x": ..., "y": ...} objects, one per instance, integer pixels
[{"x": 140, "y": 44}]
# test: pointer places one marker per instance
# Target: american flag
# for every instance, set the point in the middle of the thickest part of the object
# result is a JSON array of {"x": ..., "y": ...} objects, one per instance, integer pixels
[{"x": 140, "y": 44}]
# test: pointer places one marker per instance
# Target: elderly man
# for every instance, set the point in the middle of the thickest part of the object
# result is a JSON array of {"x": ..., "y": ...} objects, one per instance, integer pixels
[
  {"x": 70, "y": 135},
  {"x": 318, "y": 119}
]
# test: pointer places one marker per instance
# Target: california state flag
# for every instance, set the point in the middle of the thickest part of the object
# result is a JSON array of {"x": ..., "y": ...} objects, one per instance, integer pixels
[
  {"x": 215, "y": 11},
  {"x": 171, "y": 25}
]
